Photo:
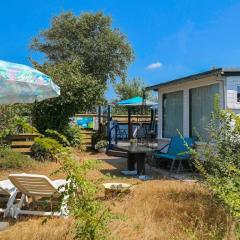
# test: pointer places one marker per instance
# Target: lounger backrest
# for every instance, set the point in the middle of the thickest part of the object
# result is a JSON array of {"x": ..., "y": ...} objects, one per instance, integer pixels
[
  {"x": 177, "y": 146},
  {"x": 33, "y": 185}
]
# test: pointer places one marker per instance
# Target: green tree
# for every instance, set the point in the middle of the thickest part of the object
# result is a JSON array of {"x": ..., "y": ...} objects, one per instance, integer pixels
[
  {"x": 81, "y": 54},
  {"x": 89, "y": 39},
  {"x": 129, "y": 89},
  {"x": 79, "y": 92}
]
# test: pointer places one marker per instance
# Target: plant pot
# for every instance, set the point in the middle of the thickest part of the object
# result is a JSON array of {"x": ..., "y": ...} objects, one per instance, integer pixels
[
  {"x": 116, "y": 189},
  {"x": 102, "y": 150},
  {"x": 133, "y": 144}
]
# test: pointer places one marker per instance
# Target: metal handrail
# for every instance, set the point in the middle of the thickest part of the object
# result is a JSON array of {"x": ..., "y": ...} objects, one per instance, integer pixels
[{"x": 115, "y": 128}]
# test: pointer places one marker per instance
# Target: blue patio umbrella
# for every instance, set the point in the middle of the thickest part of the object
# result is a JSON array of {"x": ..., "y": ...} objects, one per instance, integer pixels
[
  {"x": 23, "y": 84},
  {"x": 136, "y": 101}
]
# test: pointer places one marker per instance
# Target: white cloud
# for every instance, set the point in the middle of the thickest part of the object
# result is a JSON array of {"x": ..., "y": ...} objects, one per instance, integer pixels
[{"x": 154, "y": 65}]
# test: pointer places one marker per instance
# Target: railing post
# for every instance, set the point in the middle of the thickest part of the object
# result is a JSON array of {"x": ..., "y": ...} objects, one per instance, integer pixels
[{"x": 116, "y": 132}]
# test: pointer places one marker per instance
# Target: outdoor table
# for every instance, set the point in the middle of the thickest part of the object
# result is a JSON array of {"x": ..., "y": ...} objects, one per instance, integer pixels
[{"x": 136, "y": 153}]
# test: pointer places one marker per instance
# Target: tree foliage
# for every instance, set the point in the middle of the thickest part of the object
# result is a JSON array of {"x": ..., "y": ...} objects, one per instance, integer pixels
[
  {"x": 129, "y": 89},
  {"x": 89, "y": 39},
  {"x": 79, "y": 92},
  {"x": 81, "y": 54}
]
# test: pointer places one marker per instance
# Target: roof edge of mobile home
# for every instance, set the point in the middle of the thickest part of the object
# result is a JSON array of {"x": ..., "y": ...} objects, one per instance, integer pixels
[{"x": 217, "y": 71}]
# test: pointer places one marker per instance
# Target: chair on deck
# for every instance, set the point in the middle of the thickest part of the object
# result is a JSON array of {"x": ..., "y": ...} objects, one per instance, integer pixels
[
  {"x": 37, "y": 187},
  {"x": 178, "y": 151}
]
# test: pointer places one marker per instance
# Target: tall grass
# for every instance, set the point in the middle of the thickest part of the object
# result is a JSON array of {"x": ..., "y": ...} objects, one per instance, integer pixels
[{"x": 170, "y": 210}]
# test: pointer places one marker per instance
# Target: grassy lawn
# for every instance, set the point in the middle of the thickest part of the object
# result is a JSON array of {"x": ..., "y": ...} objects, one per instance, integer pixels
[{"x": 156, "y": 209}]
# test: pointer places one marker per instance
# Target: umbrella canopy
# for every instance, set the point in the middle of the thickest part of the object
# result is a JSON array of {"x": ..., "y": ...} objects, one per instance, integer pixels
[
  {"x": 23, "y": 84},
  {"x": 136, "y": 101}
]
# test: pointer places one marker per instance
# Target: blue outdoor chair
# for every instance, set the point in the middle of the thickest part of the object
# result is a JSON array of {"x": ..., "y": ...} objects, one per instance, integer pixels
[{"x": 177, "y": 152}]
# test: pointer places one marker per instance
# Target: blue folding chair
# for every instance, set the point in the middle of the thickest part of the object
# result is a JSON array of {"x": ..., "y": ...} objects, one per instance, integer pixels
[{"x": 178, "y": 151}]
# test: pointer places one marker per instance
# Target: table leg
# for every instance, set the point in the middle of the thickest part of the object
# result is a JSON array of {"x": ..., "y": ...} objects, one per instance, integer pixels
[
  {"x": 140, "y": 157},
  {"x": 131, "y": 162}
]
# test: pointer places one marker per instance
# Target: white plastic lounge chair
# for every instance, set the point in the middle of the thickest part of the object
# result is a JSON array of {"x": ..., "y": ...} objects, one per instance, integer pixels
[
  {"x": 8, "y": 194},
  {"x": 37, "y": 186}
]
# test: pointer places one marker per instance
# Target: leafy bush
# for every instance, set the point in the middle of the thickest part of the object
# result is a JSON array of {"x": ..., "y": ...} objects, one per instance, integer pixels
[
  {"x": 73, "y": 134},
  {"x": 45, "y": 149},
  {"x": 22, "y": 125},
  {"x": 221, "y": 168},
  {"x": 11, "y": 159},
  {"x": 57, "y": 136},
  {"x": 8, "y": 114},
  {"x": 96, "y": 137},
  {"x": 17, "y": 125},
  {"x": 91, "y": 215},
  {"x": 101, "y": 144}
]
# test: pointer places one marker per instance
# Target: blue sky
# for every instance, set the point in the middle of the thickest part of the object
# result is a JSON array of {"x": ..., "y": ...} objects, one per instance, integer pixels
[{"x": 179, "y": 37}]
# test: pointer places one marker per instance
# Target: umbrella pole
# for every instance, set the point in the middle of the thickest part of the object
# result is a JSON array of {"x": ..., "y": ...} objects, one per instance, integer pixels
[
  {"x": 108, "y": 118},
  {"x": 129, "y": 124}
]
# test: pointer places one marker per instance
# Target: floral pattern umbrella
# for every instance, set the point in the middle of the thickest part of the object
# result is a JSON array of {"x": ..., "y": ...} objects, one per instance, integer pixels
[{"x": 23, "y": 84}]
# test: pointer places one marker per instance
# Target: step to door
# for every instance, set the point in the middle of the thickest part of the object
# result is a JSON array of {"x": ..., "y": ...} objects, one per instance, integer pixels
[{"x": 116, "y": 153}]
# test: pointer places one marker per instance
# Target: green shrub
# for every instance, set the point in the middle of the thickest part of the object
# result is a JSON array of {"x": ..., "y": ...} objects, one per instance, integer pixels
[
  {"x": 16, "y": 125},
  {"x": 91, "y": 215},
  {"x": 221, "y": 168},
  {"x": 73, "y": 134},
  {"x": 22, "y": 125},
  {"x": 9, "y": 114},
  {"x": 45, "y": 149},
  {"x": 101, "y": 144},
  {"x": 57, "y": 136},
  {"x": 96, "y": 137},
  {"x": 11, "y": 159}
]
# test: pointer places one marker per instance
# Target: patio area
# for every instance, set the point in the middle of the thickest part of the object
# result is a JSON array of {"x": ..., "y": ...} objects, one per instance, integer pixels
[{"x": 153, "y": 168}]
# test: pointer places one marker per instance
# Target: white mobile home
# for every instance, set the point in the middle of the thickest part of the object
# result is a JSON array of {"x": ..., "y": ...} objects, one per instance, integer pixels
[{"x": 186, "y": 103}]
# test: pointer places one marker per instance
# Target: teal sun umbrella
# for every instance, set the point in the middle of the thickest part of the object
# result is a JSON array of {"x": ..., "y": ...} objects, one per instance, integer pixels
[
  {"x": 136, "y": 101},
  {"x": 23, "y": 84}
]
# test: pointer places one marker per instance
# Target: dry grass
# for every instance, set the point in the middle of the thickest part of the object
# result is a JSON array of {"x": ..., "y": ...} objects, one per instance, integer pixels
[
  {"x": 157, "y": 209},
  {"x": 35, "y": 229},
  {"x": 164, "y": 209}
]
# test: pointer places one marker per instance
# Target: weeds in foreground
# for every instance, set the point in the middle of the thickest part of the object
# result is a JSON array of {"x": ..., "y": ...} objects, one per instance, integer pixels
[{"x": 90, "y": 214}]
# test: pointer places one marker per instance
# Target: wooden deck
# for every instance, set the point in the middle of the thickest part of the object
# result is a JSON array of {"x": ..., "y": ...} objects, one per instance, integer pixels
[{"x": 23, "y": 142}]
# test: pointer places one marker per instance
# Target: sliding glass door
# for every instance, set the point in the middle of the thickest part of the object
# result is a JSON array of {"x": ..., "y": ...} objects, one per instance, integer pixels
[
  {"x": 201, "y": 108},
  {"x": 172, "y": 114}
]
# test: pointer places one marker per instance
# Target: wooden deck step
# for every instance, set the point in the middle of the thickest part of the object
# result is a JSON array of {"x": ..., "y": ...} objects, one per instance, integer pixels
[
  {"x": 86, "y": 140},
  {"x": 116, "y": 153},
  {"x": 22, "y": 150},
  {"x": 24, "y": 136},
  {"x": 15, "y": 144}
]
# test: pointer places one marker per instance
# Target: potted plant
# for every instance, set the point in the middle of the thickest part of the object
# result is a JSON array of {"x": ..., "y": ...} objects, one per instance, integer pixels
[
  {"x": 133, "y": 141},
  {"x": 101, "y": 146}
]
